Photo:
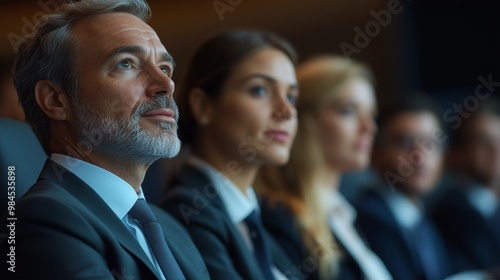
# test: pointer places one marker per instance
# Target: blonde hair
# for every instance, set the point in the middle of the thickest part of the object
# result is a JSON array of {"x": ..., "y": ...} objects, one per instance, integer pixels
[{"x": 296, "y": 185}]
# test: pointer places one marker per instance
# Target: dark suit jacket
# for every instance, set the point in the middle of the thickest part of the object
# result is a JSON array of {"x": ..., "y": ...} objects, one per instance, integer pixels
[
  {"x": 387, "y": 240},
  {"x": 283, "y": 226},
  {"x": 64, "y": 230},
  {"x": 196, "y": 203},
  {"x": 471, "y": 239}
]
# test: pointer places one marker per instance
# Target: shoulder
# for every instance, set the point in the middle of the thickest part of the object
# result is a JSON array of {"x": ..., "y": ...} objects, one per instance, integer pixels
[
  {"x": 196, "y": 204},
  {"x": 369, "y": 203}
]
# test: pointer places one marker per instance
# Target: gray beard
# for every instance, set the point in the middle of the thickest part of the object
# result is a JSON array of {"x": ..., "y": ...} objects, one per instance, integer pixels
[{"x": 123, "y": 138}]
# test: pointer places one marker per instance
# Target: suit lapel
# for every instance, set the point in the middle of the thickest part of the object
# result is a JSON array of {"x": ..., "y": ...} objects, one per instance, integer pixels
[
  {"x": 193, "y": 178},
  {"x": 58, "y": 175}
]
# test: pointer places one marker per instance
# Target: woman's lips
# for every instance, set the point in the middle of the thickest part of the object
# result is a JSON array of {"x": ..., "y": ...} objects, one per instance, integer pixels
[{"x": 278, "y": 135}]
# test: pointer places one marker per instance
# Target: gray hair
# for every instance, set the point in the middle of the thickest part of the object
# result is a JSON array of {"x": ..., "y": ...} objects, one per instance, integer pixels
[{"x": 48, "y": 54}]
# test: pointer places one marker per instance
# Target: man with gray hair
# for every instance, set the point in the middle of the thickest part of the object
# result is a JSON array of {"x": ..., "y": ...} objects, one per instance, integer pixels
[{"x": 95, "y": 84}]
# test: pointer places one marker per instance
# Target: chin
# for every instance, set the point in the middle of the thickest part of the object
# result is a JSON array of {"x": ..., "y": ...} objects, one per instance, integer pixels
[
  {"x": 419, "y": 187},
  {"x": 356, "y": 164},
  {"x": 275, "y": 158}
]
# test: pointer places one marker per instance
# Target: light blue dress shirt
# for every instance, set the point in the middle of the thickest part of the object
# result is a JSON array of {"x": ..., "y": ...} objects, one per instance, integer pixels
[{"x": 116, "y": 193}]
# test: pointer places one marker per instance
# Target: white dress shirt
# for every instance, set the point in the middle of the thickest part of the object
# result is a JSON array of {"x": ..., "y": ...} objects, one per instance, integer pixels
[
  {"x": 237, "y": 204},
  {"x": 341, "y": 220},
  {"x": 116, "y": 193},
  {"x": 407, "y": 214},
  {"x": 483, "y": 200}
]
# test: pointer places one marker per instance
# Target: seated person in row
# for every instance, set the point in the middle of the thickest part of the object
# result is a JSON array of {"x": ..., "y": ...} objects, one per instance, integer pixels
[
  {"x": 301, "y": 204},
  {"x": 237, "y": 114},
  {"x": 100, "y": 101},
  {"x": 469, "y": 214},
  {"x": 408, "y": 156}
]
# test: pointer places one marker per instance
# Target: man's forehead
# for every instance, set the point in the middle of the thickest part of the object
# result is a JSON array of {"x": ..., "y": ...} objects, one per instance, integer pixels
[
  {"x": 110, "y": 31},
  {"x": 114, "y": 24}
]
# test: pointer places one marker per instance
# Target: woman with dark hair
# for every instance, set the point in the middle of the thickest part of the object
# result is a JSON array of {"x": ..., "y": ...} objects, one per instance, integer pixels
[{"x": 237, "y": 114}]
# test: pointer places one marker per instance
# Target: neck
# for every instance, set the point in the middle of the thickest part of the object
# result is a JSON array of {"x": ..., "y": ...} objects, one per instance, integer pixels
[
  {"x": 131, "y": 172},
  {"x": 242, "y": 174},
  {"x": 329, "y": 179}
]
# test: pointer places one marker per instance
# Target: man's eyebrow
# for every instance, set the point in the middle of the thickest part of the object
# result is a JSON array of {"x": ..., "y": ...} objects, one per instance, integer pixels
[
  {"x": 168, "y": 58},
  {"x": 165, "y": 56}
]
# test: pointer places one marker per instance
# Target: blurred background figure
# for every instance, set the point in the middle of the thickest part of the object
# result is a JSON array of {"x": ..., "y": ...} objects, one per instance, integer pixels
[
  {"x": 408, "y": 156},
  {"x": 469, "y": 214},
  {"x": 19, "y": 146},
  {"x": 237, "y": 114},
  {"x": 301, "y": 205},
  {"x": 9, "y": 101}
]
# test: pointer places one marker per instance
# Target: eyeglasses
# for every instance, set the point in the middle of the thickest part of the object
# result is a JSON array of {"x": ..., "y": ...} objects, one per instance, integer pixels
[{"x": 413, "y": 142}]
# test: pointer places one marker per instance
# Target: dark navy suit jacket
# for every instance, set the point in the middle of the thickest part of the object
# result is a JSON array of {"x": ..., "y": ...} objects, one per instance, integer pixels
[
  {"x": 473, "y": 243},
  {"x": 387, "y": 239},
  {"x": 196, "y": 203},
  {"x": 64, "y": 230}
]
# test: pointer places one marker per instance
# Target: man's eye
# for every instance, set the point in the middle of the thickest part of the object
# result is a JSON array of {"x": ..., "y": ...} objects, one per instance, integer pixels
[
  {"x": 125, "y": 64},
  {"x": 166, "y": 70}
]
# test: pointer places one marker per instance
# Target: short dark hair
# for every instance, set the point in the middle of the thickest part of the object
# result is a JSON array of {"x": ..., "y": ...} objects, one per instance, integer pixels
[
  {"x": 411, "y": 102},
  {"x": 212, "y": 63},
  {"x": 491, "y": 106},
  {"x": 48, "y": 54}
]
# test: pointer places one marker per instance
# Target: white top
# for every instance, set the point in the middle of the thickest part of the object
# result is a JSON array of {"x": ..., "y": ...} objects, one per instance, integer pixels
[
  {"x": 407, "y": 214},
  {"x": 116, "y": 193},
  {"x": 483, "y": 200},
  {"x": 237, "y": 205},
  {"x": 341, "y": 221}
]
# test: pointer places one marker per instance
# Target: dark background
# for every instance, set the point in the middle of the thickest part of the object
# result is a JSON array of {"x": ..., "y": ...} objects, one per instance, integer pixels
[{"x": 440, "y": 47}]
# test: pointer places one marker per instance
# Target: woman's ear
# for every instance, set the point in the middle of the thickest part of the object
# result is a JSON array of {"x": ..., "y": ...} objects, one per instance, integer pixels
[
  {"x": 52, "y": 100},
  {"x": 201, "y": 106}
]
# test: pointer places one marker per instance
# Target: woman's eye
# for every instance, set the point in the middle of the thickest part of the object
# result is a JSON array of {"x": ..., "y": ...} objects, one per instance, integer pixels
[
  {"x": 292, "y": 99},
  {"x": 258, "y": 91},
  {"x": 125, "y": 64},
  {"x": 346, "y": 111}
]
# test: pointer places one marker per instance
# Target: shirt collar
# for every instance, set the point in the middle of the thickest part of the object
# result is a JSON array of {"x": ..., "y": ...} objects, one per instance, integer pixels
[
  {"x": 407, "y": 213},
  {"x": 338, "y": 205},
  {"x": 238, "y": 205},
  {"x": 118, "y": 194},
  {"x": 483, "y": 200}
]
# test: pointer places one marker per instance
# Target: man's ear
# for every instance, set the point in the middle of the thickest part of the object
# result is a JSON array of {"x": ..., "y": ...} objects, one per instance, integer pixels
[
  {"x": 201, "y": 106},
  {"x": 53, "y": 101}
]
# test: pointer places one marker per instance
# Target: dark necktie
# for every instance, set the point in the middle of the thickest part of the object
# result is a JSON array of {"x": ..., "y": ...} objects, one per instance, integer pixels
[
  {"x": 426, "y": 250},
  {"x": 261, "y": 248},
  {"x": 156, "y": 240},
  {"x": 494, "y": 222}
]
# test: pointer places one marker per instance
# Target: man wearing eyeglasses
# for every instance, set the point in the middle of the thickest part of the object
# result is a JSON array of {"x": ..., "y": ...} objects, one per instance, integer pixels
[{"x": 408, "y": 155}]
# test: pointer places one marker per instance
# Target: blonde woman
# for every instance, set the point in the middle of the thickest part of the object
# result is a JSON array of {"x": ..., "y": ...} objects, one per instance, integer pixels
[{"x": 301, "y": 205}]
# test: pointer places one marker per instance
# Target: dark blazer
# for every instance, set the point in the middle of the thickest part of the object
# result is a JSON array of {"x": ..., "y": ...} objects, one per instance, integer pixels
[
  {"x": 64, "y": 230},
  {"x": 386, "y": 238},
  {"x": 197, "y": 204},
  {"x": 282, "y": 225},
  {"x": 285, "y": 229},
  {"x": 473, "y": 243}
]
